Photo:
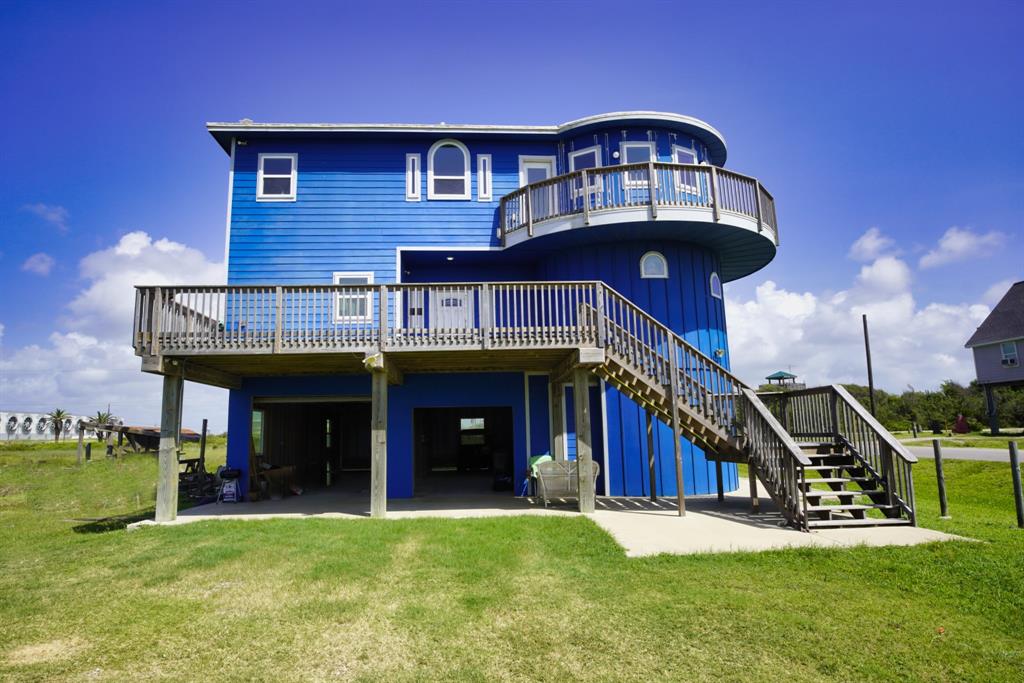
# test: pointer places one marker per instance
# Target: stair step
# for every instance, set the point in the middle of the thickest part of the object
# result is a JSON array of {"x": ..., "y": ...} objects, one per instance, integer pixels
[
  {"x": 821, "y": 493},
  {"x": 851, "y": 522},
  {"x": 836, "y": 480},
  {"x": 845, "y": 507}
]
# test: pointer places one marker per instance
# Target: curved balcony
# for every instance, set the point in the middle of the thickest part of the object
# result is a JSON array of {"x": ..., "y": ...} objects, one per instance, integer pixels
[{"x": 726, "y": 211}]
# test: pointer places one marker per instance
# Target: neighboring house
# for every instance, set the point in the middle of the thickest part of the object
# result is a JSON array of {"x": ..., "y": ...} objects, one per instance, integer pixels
[
  {"x": 998, "y": 346},
  {"x": 420, "y": 308},
  {"x": 21, "y": 425}
]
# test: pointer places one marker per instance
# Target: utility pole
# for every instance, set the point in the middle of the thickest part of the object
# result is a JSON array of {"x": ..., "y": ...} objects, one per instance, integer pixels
[{"x": 867, "y": 351}]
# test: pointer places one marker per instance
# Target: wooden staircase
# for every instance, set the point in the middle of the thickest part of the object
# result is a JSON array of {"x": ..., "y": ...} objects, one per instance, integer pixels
[{"x": 853, "y": 473}]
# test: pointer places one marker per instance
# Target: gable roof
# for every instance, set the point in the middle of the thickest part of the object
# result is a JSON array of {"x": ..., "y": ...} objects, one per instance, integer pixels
[{"x": 1005, "y": 322}]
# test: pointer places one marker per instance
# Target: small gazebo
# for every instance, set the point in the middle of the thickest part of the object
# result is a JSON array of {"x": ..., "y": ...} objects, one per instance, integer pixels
[{"x": 783, "y": 381}]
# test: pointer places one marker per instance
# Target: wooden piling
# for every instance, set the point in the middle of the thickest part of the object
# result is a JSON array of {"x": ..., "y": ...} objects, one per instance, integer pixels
[
  {"x": 1018, "y": 493},
  {"x": 379, "y": 443},
  {"x": 167, "y": 478},
  {"x": 941, "y": 479},
  {"x": 581, "y": 403}
]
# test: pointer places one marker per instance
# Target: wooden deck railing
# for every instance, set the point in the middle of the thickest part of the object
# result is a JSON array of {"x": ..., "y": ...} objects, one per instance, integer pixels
[
  {"x": 654, "y": 185},
  {"x": 831, "y": 413}
]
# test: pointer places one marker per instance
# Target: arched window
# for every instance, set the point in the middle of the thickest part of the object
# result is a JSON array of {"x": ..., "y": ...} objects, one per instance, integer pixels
[
  {"x": 716, "y": 286},
  {"x": 448, "y": 170},
  {"x": 653, "y": 265}
]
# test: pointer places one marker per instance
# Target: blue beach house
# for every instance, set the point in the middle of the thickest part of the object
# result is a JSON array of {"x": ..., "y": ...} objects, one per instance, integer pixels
[{"x": 417, "y": 310}]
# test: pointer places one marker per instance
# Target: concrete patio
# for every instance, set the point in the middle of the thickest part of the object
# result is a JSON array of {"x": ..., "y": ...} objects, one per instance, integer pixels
[{"x": 641, "y": 526}]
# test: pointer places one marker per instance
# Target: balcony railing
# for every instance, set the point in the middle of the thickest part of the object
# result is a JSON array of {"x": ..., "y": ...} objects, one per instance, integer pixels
[{"x": 654, "y": 185}]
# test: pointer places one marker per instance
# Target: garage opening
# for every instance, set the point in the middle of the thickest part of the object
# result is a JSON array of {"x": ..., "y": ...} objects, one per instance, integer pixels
[
  {"x": 461, "y": 451},
  {"x": 312, "y": 445}
]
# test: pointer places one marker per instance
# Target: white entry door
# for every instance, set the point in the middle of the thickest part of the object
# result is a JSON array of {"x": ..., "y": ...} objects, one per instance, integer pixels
[
  {"x": 534, "y": 170},
  {"x": 451, "y": 309}
]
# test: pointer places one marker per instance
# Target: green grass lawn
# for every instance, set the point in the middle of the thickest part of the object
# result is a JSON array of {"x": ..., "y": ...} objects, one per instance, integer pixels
[
  {"x": 527, "y": 598},
  {"x": 969, "y": 440}
]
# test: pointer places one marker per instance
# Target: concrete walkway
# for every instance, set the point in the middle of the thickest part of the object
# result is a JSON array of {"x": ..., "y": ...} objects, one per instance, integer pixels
[
  {"x": 640, "y": 526},
  {"x": 950, "y": 453}
]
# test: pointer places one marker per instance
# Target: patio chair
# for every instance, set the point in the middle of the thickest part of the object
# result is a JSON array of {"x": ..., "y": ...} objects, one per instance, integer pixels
[{"x": 558, "y": 479}]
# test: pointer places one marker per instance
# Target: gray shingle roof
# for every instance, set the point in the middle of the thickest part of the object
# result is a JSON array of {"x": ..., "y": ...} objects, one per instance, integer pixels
[{"x": 1005, "y": 322}]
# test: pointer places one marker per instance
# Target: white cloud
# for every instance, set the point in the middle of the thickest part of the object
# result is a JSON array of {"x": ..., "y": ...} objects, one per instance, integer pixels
[
  {"x": 871, "y": 245},
  {"x": 821, "y": 338},
  {"x": 40, "y": 264},
  {"x": 960, "y": 244},
  {"x": 996, "y": 292},
  {"x": 53, "y": 214},
  {"x": 88, "y": 362}
]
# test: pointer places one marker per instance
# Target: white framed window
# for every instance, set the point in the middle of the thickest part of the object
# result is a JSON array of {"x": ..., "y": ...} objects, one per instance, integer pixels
[
  {"x": 653, "y": 266},
  {"x": 636, "y": 153},
  {"x": 412, "y": 177},
  {"x": 277, "y": 177},
  {"x": 686, "y": 179},
  {"x": 588, "y": 157},
  {"x": 1009, "y": 353},
  {"x": 448, "y": 171},
  {"x": 716, "y": 285},
  {"x": 483, "y": 177},
  {"x": 355, "y": 305}
]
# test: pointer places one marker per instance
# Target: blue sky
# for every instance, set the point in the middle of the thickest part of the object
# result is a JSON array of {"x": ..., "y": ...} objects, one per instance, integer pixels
[{"x": 901, "y": 116}]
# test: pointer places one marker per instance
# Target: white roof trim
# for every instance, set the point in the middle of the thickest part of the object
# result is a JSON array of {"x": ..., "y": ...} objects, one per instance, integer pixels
[{"x": 456, "y": 129}]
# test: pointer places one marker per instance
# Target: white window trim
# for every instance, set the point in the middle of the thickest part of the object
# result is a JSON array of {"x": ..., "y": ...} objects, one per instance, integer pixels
[
  {"x": 484, "y": 178},
  {"x": 681, "y": 184},
  {"x": 711, "y": 284},
  {"x": 597, "y": 182},
  {"x": 465, "y": 175},
  {"x": 413, "y": 177},
  {"x": 643, "y": 272},
  {"x": 1009, "y": 360},
  {"x": 623, "y": 146},
  {"x": 260, "y": 197},
  {"x": 348, "y": 319}
]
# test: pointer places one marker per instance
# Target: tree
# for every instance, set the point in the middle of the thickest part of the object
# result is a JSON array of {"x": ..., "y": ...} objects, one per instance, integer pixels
[
  {"x": 56, "y": 418},
  {"x": 103, "y": 417}
]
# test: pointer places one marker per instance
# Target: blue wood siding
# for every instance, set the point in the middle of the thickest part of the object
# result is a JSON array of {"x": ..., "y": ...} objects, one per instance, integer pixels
[{"x": 351, "y": 213}]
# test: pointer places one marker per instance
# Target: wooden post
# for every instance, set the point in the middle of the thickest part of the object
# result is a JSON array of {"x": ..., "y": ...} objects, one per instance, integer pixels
[
  {"x": 941, "y": 479},
  {"x": 677, "y": 448},
  {"x": 652, "y": 190},
  {"x": 714, "y": 194},
  {"x": 110, "y": 441},
  {"x": 278, "y": 318},
  {"x": 581, "y": 402},
  {"x": 990, "y": 406},
  {"x": 81, "y": 445},
  {"x": 557, "y": 423},
  {"x": 167, "y": 478},
  {"x": 383, "y": 316},
  {"x": 1018, "y": 494},
  {"x": 202, "y": 447},
  {"x": 379, "y": 443},
  {"x": 88, "y": 451},
  {"x": 757, "y": 202},
  {"x": 600, "y": 315},
  {"x": 529, "y": 214},
  {"x": 755, "y": 502},
  {"x": 486, "y": 323},
  {"x": 650, "y": 454},
  {"x": 586, "y": 197},
  {"x": 719, "y": 481},
  {"x": 871, "y": 375}
]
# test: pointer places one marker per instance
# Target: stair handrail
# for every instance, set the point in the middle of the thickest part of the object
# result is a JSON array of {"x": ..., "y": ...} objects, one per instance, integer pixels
[
  {"x": 779, "y": 460},
  {"x": 898, "y": 448}
]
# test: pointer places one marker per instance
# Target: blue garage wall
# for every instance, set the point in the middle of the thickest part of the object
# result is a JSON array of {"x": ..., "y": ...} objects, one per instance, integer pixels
[
  {"x": 684, "y": 303},
  {"x": 498, "y": 390},
  {"x": 540, "y": 415}
]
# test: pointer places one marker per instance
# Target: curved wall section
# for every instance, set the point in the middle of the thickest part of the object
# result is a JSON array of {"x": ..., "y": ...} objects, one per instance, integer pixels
[{"x": 683, "y": 302}]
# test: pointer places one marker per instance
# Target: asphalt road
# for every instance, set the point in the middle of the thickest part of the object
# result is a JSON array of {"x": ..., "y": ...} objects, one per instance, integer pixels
[{"x": 949, "y": 453}]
